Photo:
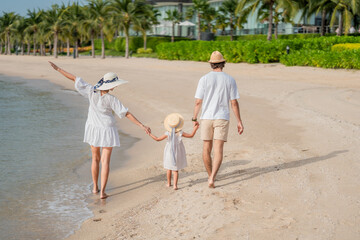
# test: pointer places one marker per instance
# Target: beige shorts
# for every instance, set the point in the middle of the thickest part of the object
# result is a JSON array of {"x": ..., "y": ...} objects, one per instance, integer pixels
[{"x": 214, "y": 129}]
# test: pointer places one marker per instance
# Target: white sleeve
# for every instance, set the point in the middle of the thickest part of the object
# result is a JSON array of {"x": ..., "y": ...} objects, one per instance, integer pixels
[
  {"x": 118, "y": 107},
  {"x": 200, "y": 89},
  {"x": 83, "y": 87},
  {"x": 234, "y": 93}
]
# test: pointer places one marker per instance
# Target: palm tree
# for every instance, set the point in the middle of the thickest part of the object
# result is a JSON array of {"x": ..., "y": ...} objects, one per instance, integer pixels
[
  {"x": 287, "y": 5},
  {"x": 8, "y": 23},
  {"x": 34, "y": 19},
  {"x": 263, "y": 15},
  {"x": 325, "y": 6},
  {"x": 19, "y": 33},
  {"x": 128, "y": 13},
  {"x": 74, "y": 17},
  {"x": 99, "y": 14},
  {"x": 199, "y": 8},
  {"x": 53, "y": 19},
  {"x": 175, "y": 17},
  {"x": 233, "y": 17},
  {"x": 346, "y": 9},
  {"x": 147, "y": 20}
]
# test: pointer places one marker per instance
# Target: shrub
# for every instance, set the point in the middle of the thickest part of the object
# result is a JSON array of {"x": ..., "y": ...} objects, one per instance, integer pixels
[
  {"x": 348, "y": 59},
  {"x": 345, "y": 46},
  {"x": 142, "y": 50}
]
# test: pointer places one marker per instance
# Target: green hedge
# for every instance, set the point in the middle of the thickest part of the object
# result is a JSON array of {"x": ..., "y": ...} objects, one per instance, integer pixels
[
  {"x": 349, "y": 59},
  {"x": 257, "y": 51},
  {"x": 263, "y": 37},
  {"x": 118, "y": 44}
]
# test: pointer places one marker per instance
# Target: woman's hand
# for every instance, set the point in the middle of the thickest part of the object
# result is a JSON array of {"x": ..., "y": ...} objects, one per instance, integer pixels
[
  {"x": 147, "y": 130},
  {"x": 54, "y": 66}
]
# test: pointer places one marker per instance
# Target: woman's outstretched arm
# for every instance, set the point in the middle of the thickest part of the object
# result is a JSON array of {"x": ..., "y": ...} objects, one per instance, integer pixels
[
  {"x": 63, "y": 72},
  {"x": 137, "y": 122}
]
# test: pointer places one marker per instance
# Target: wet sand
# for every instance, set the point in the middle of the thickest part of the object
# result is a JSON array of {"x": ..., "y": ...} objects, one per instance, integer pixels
[{"x": 293, "y": 174}]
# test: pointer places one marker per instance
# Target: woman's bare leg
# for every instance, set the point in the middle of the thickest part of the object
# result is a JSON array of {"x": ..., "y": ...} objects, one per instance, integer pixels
[
  {"x": 176, "y": 177},
  {"x": 168, "y": 176},
  {"x": 95, "y": 152},
  {"x": 105, "y": 166}
]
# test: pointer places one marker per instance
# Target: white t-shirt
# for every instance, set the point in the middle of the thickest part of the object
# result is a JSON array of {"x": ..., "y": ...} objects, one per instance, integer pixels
[{"x": 216, "y": 89}]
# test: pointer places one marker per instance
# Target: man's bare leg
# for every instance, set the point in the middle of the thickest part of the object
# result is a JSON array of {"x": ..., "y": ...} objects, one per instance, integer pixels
[
  {"x": 218, "y": 157},
  {"x": 105, "y": 166},
  {"x": 95, "y": 152},
  {"x": 207, "y": 147}
]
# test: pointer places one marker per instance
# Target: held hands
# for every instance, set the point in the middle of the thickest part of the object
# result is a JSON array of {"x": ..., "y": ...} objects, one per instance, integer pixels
[{"x": 147, "y": 130}]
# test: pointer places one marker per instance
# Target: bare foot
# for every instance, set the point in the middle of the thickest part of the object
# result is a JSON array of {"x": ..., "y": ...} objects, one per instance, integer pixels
[
  {"x": 175, "y": 188},
  {"x": 104, "y": 195},
  {"x": 168, "y": 185},
  {"x": 95, "y": 191},
  {"x": 211, "y": 184}
]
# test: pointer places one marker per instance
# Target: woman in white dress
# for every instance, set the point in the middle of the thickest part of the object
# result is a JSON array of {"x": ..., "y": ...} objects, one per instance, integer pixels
[
  {"x": 100, "y": 128},
  {"x": 174, "y": 152}
]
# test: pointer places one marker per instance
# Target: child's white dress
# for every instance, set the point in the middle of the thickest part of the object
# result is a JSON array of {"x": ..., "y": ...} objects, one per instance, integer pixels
[
  {"x": 179, "y": 150},
  {"x": 100, "y": 128}
]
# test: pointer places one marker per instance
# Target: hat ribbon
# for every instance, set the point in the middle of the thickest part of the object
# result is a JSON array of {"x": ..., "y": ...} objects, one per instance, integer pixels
[
  {"x": 101, "y": 82},
  {"x": 172, "y": 139}
]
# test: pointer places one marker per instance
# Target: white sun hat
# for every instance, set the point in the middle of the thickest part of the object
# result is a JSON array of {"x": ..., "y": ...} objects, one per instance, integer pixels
[
  {"x": 109, "y": 81},
  {"x": 173, "y": 120}
]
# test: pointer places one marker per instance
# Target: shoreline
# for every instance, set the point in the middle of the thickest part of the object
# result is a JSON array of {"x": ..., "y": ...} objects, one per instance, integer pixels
[{"x": 301, "y": 125}]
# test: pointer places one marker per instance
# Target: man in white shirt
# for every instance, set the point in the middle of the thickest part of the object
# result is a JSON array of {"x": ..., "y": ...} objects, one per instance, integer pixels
[{"x": 215, "y": 92}]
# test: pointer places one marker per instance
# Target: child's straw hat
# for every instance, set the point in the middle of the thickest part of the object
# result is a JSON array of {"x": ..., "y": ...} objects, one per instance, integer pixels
[
  {"x": 216, "y": 57},
  {"x": 109, "y": 81},
  {"x": 174, "y": 120}
]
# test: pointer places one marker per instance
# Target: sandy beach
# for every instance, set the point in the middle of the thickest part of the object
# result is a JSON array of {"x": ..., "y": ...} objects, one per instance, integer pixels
[{"x": 293, "y": 174}]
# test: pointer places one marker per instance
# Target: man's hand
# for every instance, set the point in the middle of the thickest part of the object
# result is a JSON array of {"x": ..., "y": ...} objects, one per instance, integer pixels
[
  {"x": 147, "y": 130},
  {"x": 196, "y": 124},
  {"x": 240, "y": 128}
]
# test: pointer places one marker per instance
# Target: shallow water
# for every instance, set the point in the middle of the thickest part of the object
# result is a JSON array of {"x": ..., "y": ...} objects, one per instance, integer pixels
[{"x": 42, "y": 192}]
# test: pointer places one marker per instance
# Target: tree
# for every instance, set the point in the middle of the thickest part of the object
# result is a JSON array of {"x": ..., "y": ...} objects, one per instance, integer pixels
[
  {"x": 346, "y": 10},
  {"x": 199, "y": 8},
  {"x": 99, "y": 15},
  {"x": 234, "y": 18},
  {"x": 128, "y": 13},
  {"x": 34, "y": 19},
  {"x": 174, "y": 17},
  {"x": 148, "y": 19},
  {"x": 288, "y": 5},
  {"x": 8, "y": 23},
  {"x": 53, "y": 19},
  {"x": 74, "y": 18}
]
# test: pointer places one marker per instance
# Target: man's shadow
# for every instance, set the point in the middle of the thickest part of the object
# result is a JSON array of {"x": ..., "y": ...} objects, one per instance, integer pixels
[
  {"x": 247, "y": 174},
  {"x": 253, "y": 172}
]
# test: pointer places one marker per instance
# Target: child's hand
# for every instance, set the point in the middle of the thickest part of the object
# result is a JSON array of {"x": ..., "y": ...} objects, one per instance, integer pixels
[{"x": 196, "y": 127}]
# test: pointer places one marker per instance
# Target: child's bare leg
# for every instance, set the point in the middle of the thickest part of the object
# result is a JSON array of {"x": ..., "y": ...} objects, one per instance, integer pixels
[
  {"x": 176, "y": 177},
  {"x": 168, "y": 176},
  {"x": 95, "y": 152},
  {"x": 105, "y": 165}
]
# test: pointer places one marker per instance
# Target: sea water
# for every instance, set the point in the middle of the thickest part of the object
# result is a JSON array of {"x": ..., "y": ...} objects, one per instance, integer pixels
[{"x": 43, "y": 190}]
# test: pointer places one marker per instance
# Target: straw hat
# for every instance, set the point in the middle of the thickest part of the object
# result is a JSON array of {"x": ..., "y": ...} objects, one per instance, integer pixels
[
  {"x": 216, "y": 57},
  {"x": 109, "y": 81},
  {"x": 174, "y": 120}
]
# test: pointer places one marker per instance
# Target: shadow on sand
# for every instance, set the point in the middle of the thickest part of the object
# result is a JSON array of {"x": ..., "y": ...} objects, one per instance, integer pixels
[{"x": 246, "y": 174}]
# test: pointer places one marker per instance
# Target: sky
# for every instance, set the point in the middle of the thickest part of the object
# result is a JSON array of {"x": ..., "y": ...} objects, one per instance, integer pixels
[{"x": 21, "y": 6}]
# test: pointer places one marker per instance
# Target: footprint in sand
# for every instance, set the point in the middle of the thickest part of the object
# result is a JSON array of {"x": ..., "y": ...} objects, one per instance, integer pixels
[{"x": 97, "y": 219}]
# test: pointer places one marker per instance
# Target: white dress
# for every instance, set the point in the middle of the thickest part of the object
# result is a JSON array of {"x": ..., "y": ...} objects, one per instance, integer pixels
[
  {"x": 100, "y": 128},
  {"x": 179, "y": 150}
]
